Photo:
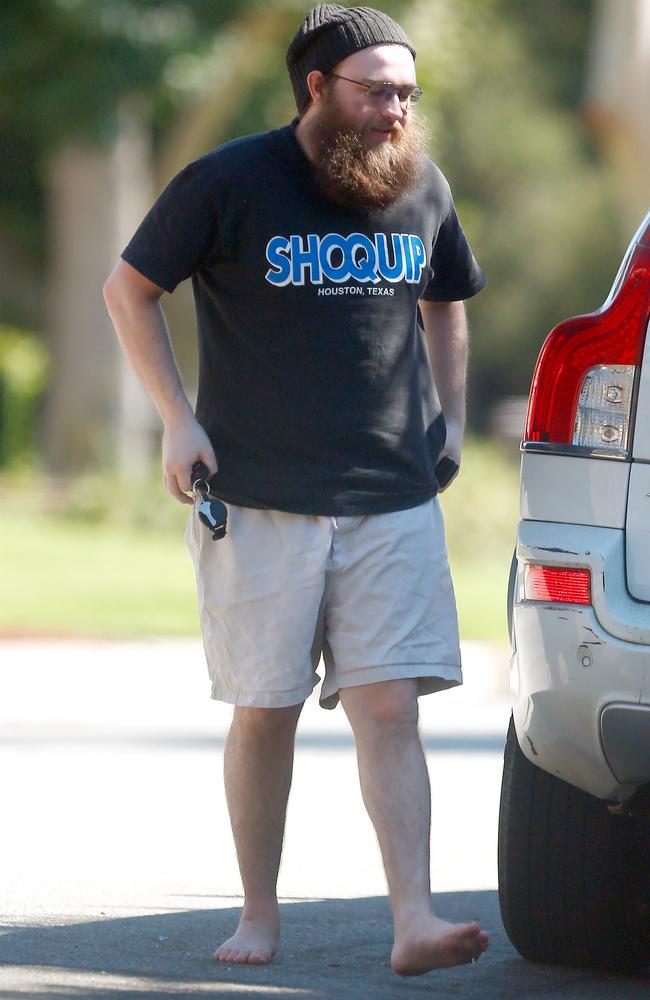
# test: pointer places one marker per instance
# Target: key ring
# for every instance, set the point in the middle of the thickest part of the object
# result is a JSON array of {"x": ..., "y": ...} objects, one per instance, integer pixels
[{"x": 200, "y": 489}]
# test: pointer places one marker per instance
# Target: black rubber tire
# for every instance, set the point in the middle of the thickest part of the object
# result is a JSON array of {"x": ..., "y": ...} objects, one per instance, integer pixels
[{"x": 569, "y": 878}]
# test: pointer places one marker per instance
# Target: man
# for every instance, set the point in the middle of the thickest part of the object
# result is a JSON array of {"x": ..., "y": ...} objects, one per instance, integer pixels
[{"x": 317, "y": 253}]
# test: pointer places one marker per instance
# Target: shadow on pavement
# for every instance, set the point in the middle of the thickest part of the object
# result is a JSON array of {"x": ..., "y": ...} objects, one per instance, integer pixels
[{"x": 331, "y": 948}]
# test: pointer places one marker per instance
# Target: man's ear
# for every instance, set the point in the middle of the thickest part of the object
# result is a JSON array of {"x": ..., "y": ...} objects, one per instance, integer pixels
[{"x": 316, "y": 82}]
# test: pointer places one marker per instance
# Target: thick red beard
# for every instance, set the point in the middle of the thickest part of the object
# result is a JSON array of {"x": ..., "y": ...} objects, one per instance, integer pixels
[{"x": 366, "y": 178}]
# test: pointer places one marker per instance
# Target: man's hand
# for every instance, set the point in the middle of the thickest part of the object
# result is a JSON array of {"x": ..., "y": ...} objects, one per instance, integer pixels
[{"x": 184, "y": 443}]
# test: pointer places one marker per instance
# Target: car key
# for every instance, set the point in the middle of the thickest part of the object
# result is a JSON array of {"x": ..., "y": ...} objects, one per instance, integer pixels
[
  {"x": 445, "y": 471},
  {"x": 214, "y": 515},
  {"x": 212, "y": 512}
]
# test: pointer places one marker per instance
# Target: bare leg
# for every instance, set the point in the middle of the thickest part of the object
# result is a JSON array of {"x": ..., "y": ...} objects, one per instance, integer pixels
[
  {"x": 258, "y": 764},
  {"x": 395, "y": 789}
]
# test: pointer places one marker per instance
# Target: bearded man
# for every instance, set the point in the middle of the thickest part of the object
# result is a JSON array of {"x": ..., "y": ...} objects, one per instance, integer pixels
[{"x": 329, "y": 271}]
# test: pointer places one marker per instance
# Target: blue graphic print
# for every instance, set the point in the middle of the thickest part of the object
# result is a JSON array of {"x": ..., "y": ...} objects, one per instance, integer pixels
[{"x": 298, "y": 260}]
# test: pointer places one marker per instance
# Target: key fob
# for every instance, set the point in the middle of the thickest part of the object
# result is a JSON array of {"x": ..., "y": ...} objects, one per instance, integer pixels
[
  {"x": 445, "y": 471},
  {"x": 214, "y": 515}
]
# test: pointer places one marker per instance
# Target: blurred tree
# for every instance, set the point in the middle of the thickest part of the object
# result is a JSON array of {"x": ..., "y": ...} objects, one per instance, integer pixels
[
  {"x": 556, "y": 33},
  {"x": 617, "y": 107},
  {"x": 65, "y": 69}
]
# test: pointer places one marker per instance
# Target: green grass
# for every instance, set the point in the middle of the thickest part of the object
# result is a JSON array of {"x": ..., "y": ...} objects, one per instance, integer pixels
[
  {"x": 109, "y": 564},
  {"x": 481, "y": 512},
  {"x": 70, "y": 578}
]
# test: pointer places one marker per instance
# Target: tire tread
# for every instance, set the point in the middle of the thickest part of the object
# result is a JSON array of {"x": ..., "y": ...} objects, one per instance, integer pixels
[{"x": 567, "y": 885}]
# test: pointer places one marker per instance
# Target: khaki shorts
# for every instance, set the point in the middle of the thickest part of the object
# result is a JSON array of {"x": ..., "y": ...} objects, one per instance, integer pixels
[{"x": 372, "y": 594}]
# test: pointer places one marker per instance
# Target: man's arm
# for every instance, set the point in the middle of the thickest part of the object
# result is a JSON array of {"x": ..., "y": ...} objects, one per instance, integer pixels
[
  {"x": 445, "y": 328},
  {"x": 133, "y": 303}
]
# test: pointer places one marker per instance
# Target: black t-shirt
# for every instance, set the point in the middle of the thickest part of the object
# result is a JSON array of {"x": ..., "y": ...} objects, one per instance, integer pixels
[{"x": 314, "y": 382}]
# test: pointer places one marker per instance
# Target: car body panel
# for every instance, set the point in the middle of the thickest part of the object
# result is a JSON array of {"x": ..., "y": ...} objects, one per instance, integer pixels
[
  {"x": 637, "y": 542},
  {"x": 575, "y": 490},
  {"x": 641, "y": 442},
  {"x": 571, "y": 662},
  {"x": 637, "y": 535},
  {"x": 602, "y": 551}
]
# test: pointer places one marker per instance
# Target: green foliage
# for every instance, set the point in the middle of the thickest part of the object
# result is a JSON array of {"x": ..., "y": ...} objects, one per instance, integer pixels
[
  {"x": 66, "y": 67},
  {"x": 23, "y": 372},
  {"x": 67, "y": 63},
  {"x": 556, "y": 33}
]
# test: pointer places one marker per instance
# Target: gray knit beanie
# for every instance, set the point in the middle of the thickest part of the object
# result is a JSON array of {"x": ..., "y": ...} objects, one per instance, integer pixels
[{"x": 331, "y": 32}]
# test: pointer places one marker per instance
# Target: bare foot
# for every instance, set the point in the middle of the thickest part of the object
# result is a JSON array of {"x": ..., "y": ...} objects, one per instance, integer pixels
[
  {"x": 437, "y": 944},
  {"x": 254, "y": 942}
]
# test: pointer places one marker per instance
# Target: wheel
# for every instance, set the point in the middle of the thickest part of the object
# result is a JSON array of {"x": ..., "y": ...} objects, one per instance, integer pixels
[{"x": 573, "y": 877}]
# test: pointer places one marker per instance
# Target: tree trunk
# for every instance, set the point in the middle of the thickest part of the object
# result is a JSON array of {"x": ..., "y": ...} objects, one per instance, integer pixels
[
  {"x": 96, "y": 412},
  {"x": 617, "y": 106}
]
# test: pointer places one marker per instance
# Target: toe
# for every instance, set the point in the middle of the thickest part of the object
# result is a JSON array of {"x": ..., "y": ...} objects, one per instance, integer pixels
[
  {"x": 227, "y": 955},
  {"x": 480, "y": 949}
]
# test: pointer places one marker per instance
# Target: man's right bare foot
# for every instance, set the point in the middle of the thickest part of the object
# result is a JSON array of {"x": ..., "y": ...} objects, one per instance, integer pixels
[
  {"x": 255, "y": 941},
  {"x": 437, "y": 944}
]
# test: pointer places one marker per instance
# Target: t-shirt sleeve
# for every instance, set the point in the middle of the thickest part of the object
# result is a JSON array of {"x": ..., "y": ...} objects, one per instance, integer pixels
[
  {"x": 456, "y": 274},
  {"x": 178, "y": 234}
]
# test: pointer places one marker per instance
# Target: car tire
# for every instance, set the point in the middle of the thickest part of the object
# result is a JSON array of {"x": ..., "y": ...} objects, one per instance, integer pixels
[{"x": 570, "y": 888}]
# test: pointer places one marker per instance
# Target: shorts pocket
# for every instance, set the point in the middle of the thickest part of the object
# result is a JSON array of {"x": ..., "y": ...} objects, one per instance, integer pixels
[{"x": 191, "y": 530}]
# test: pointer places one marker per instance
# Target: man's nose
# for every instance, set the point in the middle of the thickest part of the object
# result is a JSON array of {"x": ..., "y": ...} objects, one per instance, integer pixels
[{"x": 392, "y": 110}]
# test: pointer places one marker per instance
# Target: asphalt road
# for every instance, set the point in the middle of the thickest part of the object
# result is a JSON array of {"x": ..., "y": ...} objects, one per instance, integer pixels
[{"x": 117, "y": 872}]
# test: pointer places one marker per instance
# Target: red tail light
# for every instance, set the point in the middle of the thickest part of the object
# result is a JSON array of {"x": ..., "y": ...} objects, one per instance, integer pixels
[
  {"x": 556, "y": 583},
  {"x": 614, "y": 337}
]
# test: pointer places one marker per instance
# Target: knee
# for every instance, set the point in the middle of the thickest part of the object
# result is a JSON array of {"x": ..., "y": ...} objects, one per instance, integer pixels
[
  {"x": 266, "y": 723},
  {"x": 391, "y": 703}
]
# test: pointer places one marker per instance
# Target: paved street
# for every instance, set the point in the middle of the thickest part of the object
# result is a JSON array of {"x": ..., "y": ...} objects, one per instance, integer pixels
[{"x": 117, "y": 869}]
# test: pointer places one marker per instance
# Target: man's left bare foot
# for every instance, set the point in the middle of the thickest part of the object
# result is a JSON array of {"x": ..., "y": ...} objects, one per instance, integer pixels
[
  {"x": 437, "y": 944},
  {"x": 255, "y": 941}
]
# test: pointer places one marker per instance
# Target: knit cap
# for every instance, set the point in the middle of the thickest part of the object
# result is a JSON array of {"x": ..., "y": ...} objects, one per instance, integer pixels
[{"x": 329, "y": 33}]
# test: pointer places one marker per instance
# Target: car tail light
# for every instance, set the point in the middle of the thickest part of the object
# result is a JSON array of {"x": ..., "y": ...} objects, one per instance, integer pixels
[
  {"x": 557, "y": 583},
  {"x": 602, "y": 417},
  {"x": 583, "y": 385}
]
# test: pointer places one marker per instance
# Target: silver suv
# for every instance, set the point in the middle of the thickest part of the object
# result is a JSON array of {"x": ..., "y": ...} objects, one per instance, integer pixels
[{"x": 574, "y": 825}]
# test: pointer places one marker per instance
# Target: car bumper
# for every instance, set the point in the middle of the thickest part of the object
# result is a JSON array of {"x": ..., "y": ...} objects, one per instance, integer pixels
[{"x": 581, "y": 694}]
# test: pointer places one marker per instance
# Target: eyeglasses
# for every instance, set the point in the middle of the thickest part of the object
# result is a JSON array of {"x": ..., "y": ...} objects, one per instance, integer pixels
[{"x": 383, "y": 90}]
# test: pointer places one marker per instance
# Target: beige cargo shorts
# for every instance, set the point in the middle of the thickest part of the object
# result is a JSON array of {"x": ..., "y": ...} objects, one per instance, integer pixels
[{"x": 370, "y": 595}]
